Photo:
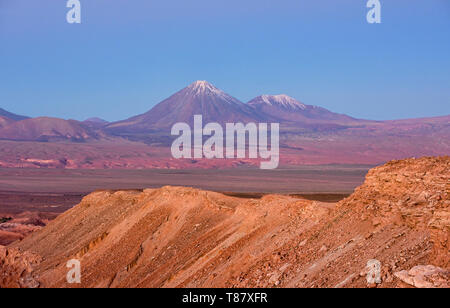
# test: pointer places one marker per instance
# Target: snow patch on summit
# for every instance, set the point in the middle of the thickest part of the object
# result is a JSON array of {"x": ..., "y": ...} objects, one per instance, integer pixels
[
  {"x": 204, "y": 88},
  {"x": 283, "y": 100}
]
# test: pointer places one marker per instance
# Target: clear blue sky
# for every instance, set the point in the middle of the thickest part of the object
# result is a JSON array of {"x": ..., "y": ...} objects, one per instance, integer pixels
[{"x": 128, "y": 55}]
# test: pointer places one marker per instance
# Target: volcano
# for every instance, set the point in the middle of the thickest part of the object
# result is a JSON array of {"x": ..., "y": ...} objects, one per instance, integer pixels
[
  {"x": 200, "y": 97},
  {"x": 215, "y": 105},
  {"x": 285, "y": 108}
]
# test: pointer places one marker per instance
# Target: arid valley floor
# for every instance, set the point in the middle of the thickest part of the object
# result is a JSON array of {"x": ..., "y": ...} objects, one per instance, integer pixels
[
  {"x": 298, "y": 228},
  {"x": 30, "y": 198}
]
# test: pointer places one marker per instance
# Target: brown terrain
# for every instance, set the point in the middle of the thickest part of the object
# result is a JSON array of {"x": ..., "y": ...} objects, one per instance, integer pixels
[
  {"x": 24, "y": 213},
  {"x": 185, "y": 237},
  {"x": 309, "y": 135},
  {"x": 48, "y": 192},
  {"x": 4, "y": 121},
  {"x": 47, "y": 129}
]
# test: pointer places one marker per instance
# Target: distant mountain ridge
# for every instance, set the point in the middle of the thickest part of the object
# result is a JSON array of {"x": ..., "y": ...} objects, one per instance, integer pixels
[
  {"x": 95, "y": 120},
  {"x": 12, "y": 116},
  {"x": 47, "y": 129},
  {"x": 215, "y": 105},
  {"x": 95, "y": 123},
  {"x": 285, "y": 108},
  {"x": 199, "y": 98},
  {"x": 308, "y": 134},
  {"x": 44, "y": 129},
  {"x": 282, "y": 101}
]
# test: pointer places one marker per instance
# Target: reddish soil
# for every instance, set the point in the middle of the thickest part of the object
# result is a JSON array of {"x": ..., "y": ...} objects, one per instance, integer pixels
[
  {"x": 24, "y": 213},
  {"x": 184, "y": 237},
  {"x": 44, "y": 192}
]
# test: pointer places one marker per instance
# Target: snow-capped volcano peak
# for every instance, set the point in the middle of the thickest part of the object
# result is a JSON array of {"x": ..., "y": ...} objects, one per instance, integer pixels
[
  {"x": 205, "y": 91},
  {"x": 282, "y": 100},
  {"x": 204, "y": 87},
  {"x": 199, "y": 98}
]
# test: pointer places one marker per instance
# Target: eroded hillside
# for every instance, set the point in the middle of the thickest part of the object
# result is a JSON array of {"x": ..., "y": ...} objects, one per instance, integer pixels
[{"x": 182, "y": 237}]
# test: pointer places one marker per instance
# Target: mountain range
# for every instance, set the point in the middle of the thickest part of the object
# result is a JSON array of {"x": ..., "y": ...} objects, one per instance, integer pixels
[
  {"x": 200, "y": 97},
  {"x": 47, "y": 129},
  {"x": 217, "y": 106},
  {"x": 309, "y": 134}
]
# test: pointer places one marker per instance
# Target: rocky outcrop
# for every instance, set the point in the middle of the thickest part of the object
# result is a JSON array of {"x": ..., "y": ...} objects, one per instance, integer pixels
[
  {"x": 413, "y": 192},
  {"x": 17, "y": 228},
  {"x": 184, "y": 237},
  {"x": 168, "y": 237},
  {"x": 425, "y": 277},
  {"x": 17, "y": 268}
]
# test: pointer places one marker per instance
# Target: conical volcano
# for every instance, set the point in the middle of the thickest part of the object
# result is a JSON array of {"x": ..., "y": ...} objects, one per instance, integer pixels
[{"x": 200, "y": 98}]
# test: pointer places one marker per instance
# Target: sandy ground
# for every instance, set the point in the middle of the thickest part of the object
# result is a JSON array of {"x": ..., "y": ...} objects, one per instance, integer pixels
[
  {"x": 306, "y": 179},
  {"x": 25, "y": 193},
  {"x": 185, "y": 237}
]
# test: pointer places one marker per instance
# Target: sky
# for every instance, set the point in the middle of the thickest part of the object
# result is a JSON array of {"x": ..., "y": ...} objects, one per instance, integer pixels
[{"x": 128, "y": 55}]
